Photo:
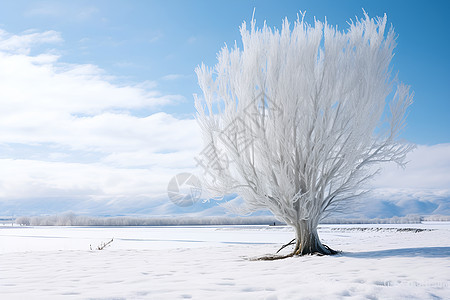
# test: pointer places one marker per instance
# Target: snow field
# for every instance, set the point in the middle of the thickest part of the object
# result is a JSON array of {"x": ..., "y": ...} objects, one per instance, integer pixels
[{"x": 377, "y": 262}]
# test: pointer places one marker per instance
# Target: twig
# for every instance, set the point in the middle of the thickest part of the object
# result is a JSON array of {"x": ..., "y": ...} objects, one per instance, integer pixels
[{"x": 103, "y": 245}]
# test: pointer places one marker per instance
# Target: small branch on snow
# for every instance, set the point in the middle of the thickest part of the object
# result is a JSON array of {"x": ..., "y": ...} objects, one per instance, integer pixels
[{"x": 103, "y": 245}]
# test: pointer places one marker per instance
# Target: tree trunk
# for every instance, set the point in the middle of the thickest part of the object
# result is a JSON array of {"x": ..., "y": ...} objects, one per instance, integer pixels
[{"x": 307, "y": 240}]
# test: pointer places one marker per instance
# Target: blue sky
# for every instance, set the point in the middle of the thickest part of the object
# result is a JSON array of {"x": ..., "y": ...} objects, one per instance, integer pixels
[
  {"x": 148, "y": 40},
  {"x": 97, "y": 103}
]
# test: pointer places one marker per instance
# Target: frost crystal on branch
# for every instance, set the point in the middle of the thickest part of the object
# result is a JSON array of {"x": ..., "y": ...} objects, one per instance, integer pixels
[{"x": 301, "y": 116}]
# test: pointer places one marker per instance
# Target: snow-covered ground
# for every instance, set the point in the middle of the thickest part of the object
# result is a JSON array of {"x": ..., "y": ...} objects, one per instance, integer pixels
[{"x": 377, "y": 262}]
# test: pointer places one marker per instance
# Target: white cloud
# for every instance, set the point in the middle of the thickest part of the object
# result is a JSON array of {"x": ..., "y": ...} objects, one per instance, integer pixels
[
  {"x": 173, "y": 77},
  {"x": 423, "y": 187},
  {"x": 27, "y": 179},
  {"x": 22, "y": 44},
  {"x": 105, "y": 133},
  {"x": 69, "y": 111},
  {"x": 428, "y": 170},
  {"x": 67, "y": 88}
]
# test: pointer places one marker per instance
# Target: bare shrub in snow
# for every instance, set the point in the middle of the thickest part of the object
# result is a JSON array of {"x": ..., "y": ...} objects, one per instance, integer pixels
[{"x": 295, "y": 120}]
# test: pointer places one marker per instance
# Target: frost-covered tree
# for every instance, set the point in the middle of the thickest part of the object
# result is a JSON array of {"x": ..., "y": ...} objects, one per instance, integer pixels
[{"x": 295, "y": 120}]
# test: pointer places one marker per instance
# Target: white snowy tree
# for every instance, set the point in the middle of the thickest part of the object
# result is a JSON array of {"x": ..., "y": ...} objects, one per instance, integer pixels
[{"x": 295, "y": 120}]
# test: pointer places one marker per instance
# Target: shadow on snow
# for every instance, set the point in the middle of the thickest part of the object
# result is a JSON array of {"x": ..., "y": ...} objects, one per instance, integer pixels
[{"x": 404, "y": 252}]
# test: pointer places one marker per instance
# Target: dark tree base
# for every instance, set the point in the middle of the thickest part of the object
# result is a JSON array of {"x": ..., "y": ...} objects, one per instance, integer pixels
[{"x": 319, "y": 252}]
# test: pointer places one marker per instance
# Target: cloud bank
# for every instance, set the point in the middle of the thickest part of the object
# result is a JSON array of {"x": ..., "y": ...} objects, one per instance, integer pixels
[
  {"x": 423, "y": 187},
  {"x": 71, "y": 131}
]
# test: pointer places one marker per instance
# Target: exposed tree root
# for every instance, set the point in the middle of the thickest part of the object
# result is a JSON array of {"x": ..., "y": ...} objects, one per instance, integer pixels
[
  {"x": 272, "y": 257},
  {"x": 288, "y": 244},
  {"x": 332, "y": 251},
  {"x": 297, "y": 252}
]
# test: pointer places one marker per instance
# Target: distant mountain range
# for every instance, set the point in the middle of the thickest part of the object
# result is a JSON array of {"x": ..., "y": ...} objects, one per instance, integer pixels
[{"x": 369, "y": 208}]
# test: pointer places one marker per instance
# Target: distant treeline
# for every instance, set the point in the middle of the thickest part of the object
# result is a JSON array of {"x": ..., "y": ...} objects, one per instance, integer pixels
[
  {"x": 436, "y": 218},
  {"x": 71, "y": 219},
  {"x": 410, "y": 219},
  {"x": 74, "y": 220}
]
